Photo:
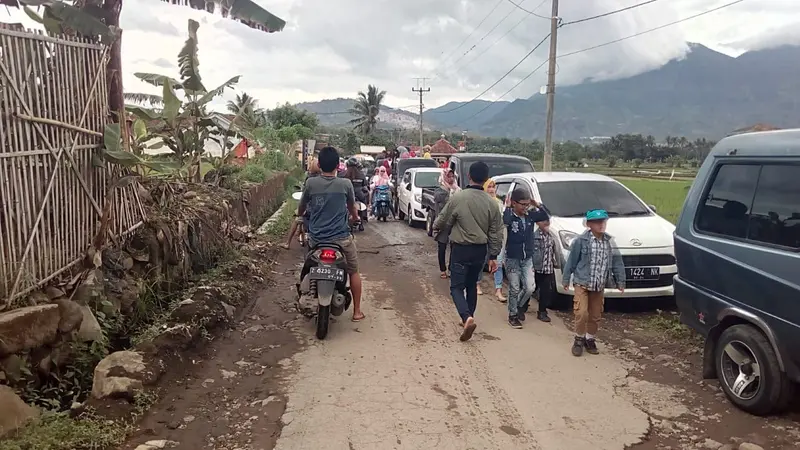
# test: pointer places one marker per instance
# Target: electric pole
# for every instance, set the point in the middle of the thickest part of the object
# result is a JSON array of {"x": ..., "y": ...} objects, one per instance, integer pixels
[
  {"x": 421, "y": 89},
  {"x": 551, "y": 90}
]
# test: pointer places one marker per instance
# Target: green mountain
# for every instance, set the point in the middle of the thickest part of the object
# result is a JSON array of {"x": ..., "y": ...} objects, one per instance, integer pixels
[{"x": 705, "y": 94}]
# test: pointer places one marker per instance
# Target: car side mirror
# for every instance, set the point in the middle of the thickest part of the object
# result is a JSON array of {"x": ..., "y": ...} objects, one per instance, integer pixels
[
  {"x": 408, "y": 186},
  {"x": 652, "y": 208}
]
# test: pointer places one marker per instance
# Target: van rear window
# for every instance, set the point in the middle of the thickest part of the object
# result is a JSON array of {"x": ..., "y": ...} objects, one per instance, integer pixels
[{"x": 758, "y": 203}]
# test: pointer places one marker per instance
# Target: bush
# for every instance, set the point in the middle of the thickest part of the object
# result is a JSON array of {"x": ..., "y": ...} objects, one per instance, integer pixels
[
  {"x": 253, "y": 173},
  {"x": 637, "y": 163},
  {"x": 612, "y": 161}
]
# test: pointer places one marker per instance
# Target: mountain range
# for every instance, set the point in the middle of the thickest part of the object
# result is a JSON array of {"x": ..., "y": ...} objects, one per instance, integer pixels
[{"x": 704, "y": 94}]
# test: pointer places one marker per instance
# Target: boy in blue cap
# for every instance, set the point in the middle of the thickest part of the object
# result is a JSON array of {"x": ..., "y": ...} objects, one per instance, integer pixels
[{"x": 594, "y": 263}]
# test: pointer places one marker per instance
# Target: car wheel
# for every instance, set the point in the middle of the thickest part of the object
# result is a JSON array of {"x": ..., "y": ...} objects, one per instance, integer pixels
[
  {"x": 429, "y": 224},
  {"x": 749, "y": 373},
  {"x": 410, "y": 217}
]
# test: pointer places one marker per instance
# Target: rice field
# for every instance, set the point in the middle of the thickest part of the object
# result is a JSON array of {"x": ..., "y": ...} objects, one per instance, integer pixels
[{"x": 666, "y": 196}]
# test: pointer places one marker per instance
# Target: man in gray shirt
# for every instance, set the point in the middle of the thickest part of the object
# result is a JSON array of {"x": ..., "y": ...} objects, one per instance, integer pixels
[{"x": 328, "y": 200}]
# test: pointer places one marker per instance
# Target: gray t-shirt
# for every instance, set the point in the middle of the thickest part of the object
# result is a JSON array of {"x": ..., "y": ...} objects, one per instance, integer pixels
[{"x": 327, "y": 200}]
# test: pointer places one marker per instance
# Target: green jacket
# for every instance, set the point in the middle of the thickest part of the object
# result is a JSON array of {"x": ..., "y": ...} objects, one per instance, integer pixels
[{"x": 473, "y": 218}]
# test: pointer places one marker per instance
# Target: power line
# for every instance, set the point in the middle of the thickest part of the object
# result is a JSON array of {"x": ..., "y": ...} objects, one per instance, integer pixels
[
  {"x": 501, "y": 78},
  {"x": 586, "y": 19},
  {"x": 524, "y": 18},
  {"x": 519, "y": 6},
  {"x": 651, "y": 30},
  {"x": 602, "y": 45},
  {"x": 473, "y": 31}
]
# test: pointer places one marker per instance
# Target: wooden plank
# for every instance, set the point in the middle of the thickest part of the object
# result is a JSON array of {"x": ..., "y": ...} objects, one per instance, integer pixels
[{"x": 50, "y": 39}]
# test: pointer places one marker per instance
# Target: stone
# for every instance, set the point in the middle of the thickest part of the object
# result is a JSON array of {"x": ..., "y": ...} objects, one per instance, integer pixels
[
  {"x": 727, "y": 447},
  {"x": 188, "y": 419},
  {"x": 91, "y": 291},
  {"x": 749, "y": 446},
  {"x": 663, "y": 358},
  {"x": 71, "y": 315},
  {"x": 38, "y": 298},
  {"x": 155, "y": 445},
  {"x": 27, "y": 328},
  {"x": 15, "y": 412},
  {"x": 230, "y": 311},
  {"x": 122, "y": 374},
  {"x": 712, "y": 444},
  {"x": 90, "y": 329}
]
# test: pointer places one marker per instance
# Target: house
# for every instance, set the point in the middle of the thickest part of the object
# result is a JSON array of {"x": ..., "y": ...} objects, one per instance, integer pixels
[{"x": 442, "y": 146}]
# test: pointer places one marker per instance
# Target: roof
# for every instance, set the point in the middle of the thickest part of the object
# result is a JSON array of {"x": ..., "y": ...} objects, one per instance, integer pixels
[
  {"x": 425, "y": 169},
  {"x": 442, "y": 146},
  {"x": 372, "y": 149},
  {"x": 763, "y": 143},
  {"x": 548, "y": 177},
  {"x": 477, "y": 156}
]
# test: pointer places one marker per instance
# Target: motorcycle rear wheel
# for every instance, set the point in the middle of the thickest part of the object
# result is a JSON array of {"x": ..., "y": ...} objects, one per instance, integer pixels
[{"x": 323, "y": 321}]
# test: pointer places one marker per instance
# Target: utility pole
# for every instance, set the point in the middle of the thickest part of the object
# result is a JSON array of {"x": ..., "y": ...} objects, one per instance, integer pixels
[
  {"x": 551, "y": 90},
  {"x": 421, "y": 89}
]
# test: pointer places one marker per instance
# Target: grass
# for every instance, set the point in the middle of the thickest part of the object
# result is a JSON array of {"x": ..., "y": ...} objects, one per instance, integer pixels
[
  {"x": 669, "y": 324},
  {"x": 666, "y": 196}
]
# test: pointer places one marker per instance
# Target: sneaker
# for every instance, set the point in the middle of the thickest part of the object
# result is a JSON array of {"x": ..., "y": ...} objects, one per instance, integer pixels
[
  {"x": 542, "y": 315},
  {"x": 514, "y": 322},
  {"x": 578, "y": 345},
  {"x": 591, "y": 347},
  {"x": 521, "y": 316}
]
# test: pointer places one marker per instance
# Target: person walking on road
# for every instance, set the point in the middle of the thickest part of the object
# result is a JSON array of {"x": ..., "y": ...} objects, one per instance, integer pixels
[
  {"x": 544, "y": 263},
  {"x": 519, "y": 219},
  {"x": 475, "y": 225},
  {"x": 490, "y": 187},
  {"x": 594, "y": 263}
]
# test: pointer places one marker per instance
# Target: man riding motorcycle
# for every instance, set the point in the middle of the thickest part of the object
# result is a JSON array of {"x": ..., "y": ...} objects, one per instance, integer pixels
[
  {"x": 360, "y": 186},
  {"x": 329, "y": 199}
]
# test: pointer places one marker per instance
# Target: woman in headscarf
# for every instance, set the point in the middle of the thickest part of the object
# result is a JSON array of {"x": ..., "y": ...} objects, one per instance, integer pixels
[
  {"x": 491, "y": 188},
  {"x": 447, "y": 187},
  {"x": 381, "y": 178}
]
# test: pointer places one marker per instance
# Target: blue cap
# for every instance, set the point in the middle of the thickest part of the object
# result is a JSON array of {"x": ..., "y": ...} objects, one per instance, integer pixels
[{"x": 596, "y": 214}]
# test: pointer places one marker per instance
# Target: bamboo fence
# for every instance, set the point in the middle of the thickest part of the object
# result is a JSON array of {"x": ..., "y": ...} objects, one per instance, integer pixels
[{"x": 53, "y": 109}]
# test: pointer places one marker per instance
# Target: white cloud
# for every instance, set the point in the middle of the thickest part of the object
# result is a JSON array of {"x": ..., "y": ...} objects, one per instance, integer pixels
[{"x": 335, "y": 48}]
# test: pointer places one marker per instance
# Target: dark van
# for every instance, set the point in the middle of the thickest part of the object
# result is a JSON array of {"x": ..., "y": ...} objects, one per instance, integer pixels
[{"x": 737, "y": 243}]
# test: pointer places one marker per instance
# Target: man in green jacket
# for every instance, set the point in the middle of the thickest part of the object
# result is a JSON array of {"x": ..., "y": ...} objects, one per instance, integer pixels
[{"x": 476, "y": 229}]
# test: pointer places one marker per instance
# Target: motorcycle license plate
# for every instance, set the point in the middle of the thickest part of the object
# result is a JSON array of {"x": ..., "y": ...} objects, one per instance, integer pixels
[{"x": 327, "y": 274}]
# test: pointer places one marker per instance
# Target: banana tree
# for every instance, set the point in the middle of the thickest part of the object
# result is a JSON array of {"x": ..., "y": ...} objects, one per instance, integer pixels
[
  {"x": 99, "y": 19},
  {"x": 183, "y": 125}
]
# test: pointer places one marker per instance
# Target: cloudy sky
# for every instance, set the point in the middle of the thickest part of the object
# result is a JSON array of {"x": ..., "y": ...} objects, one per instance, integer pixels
[{"x": 333, "y": 48}]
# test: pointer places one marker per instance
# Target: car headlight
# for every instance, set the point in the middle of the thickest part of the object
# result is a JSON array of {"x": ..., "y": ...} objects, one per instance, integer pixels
[
  {"x": 418, "y": 198},
  {"x": 567, "y": 238}
]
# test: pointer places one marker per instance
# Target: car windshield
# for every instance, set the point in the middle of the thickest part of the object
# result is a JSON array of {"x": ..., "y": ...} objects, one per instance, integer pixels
[
  {"x": 503, "y": 167},
  {"x": 426, "y": 179},
  {"x": 574, "y": 198}
]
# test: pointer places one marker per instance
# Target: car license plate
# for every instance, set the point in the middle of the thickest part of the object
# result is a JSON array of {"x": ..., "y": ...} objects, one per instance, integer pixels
[
  {"x": 327, "y": 273},
  {"x": 643, "y": 273}
]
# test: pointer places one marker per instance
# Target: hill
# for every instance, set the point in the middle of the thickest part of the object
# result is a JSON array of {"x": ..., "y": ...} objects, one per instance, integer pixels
[
  {"x": 705, "y": 94},
  {"x": 334, "y": 113}
]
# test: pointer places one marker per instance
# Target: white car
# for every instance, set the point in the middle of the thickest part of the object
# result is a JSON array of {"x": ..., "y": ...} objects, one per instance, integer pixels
[
  {"x": 643, "y": 237},
  {"x": 409, "y": 193}
]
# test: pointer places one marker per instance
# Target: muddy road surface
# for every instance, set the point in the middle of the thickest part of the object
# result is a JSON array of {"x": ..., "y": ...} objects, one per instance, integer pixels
[{"x": 401, "y": 379}]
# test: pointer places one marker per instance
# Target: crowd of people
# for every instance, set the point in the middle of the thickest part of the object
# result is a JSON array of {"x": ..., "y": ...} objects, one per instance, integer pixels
[{"x": 511, "y": 237}]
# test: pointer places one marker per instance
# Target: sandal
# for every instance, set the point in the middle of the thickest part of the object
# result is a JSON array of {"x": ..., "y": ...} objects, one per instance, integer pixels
[
  {"x": 443, "y": 276},
  {"x": 359, "y": 319}
]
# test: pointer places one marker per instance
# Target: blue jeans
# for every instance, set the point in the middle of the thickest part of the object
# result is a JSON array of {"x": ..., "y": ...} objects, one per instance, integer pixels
[
  {"x": 466, "y": 266},
  {"x": 498, "y": 275},
  {"x": 521, "y": 284}
]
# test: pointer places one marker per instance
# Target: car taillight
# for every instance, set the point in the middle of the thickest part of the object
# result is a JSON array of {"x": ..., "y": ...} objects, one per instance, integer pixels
[{"x": 327, "y": 256}]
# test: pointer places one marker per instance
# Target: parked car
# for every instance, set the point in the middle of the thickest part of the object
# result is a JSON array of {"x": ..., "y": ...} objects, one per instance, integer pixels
[
  {"x": 409, "y": 192},
  {"x": 399, "y": 168},
  {"x": 498, "y": 165},
  {"x": 738, "y": 283},
  {"x": 643, "y": 238}
]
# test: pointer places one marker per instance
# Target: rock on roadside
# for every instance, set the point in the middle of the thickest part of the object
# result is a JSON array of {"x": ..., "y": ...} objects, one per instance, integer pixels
[
  {"x": 28, "y": 327},
  {"x": 748, "y": 446},
  {"x": 71, "y": 315},
  {"x": 15, "y": 413},
  {"x": 122, "y": 374}
]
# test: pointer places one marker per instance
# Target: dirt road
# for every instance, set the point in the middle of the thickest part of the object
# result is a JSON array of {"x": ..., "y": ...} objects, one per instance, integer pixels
[{"x": 401, "y": 379}]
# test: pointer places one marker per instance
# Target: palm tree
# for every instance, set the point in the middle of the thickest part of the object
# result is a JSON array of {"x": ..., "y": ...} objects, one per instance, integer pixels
[
  {"x": 366, "y": 109},
  {"x": 248, "y": 116}
]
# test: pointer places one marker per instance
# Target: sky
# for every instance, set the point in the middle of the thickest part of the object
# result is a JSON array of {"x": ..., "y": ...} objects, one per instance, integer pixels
[{"x": 332, "y": 49}]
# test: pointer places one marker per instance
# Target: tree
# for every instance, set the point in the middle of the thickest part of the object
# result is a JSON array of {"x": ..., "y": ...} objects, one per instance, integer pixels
[
  {"x": 290, "y": 115},
  {"x": 182, "y": 125},
  {"x": 247, "y": 115},
  {"x": 366, "y": 109}
]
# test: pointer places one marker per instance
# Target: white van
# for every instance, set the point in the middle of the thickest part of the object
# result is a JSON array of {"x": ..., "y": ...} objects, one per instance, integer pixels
[
  {"x": 409, "y": 192},
  {"x": 643, "y": 237}
]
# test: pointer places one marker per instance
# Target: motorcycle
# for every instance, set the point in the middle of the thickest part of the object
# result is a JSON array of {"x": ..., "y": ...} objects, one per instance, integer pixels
[
  {"x": 362, "y": 212},
  {"x": 324, "y": 287},
  {"x": 382, "y": 203}
]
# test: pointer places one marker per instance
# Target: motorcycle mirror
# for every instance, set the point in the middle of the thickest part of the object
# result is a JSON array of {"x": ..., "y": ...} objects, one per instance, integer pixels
[
  {"x": 297, "y": 195},
  {"x": 298, "y": 187},
  {"x": 360, "y": 206}
]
